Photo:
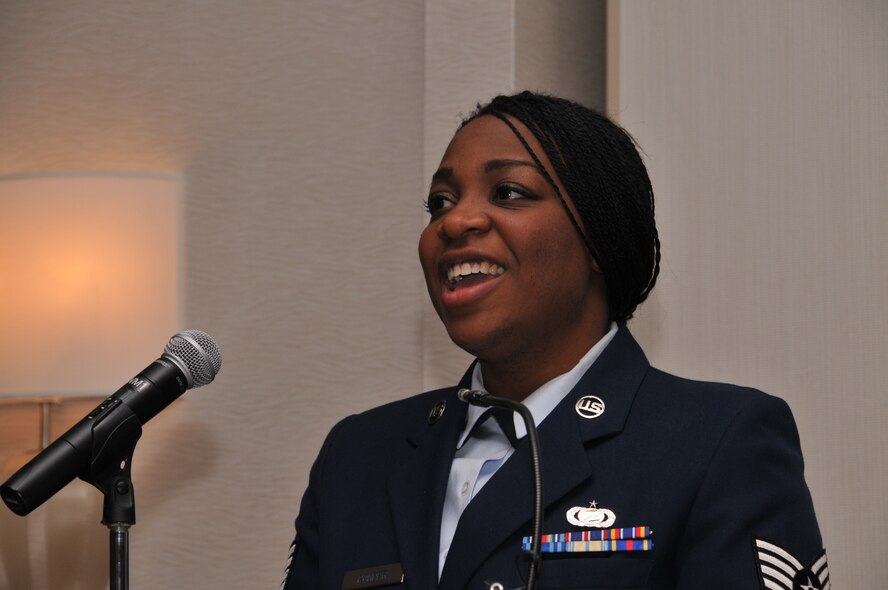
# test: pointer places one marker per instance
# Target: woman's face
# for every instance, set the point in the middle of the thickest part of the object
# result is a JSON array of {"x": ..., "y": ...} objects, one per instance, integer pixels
[{"x": 505, "y": 269}]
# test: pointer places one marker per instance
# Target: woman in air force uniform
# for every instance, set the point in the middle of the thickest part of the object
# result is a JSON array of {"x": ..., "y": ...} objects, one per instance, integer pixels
[{"x": 540, "y": 245}]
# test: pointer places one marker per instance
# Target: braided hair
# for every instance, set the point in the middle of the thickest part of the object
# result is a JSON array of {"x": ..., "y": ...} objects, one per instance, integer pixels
[{"x": 605, "y": 178}]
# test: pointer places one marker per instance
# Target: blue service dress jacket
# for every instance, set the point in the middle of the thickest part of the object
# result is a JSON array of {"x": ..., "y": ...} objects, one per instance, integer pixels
[{"x": 715, "y": 471}]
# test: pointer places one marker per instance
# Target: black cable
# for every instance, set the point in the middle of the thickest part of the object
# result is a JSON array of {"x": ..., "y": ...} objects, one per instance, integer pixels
[{"x": 482, "y": 398}]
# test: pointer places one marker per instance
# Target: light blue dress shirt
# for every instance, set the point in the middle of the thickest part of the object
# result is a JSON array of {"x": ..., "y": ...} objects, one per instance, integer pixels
[{"x": 477, "y": 458}]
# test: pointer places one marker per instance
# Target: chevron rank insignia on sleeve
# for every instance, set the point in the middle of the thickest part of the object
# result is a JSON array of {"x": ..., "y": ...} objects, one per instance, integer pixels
[{"x": 780, "y": 570}]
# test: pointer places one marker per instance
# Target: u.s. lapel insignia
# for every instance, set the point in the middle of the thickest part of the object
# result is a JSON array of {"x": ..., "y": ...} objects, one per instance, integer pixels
[
  {"x": 590, "y": 406},
  {"x": 780, "y": 570},
  {"x": 591, "y": 516},
  {"x": 437, "y": 411}
]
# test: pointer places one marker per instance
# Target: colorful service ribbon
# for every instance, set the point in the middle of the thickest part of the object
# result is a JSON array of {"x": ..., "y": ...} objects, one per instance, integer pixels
[{"x": 619, "y": 539}]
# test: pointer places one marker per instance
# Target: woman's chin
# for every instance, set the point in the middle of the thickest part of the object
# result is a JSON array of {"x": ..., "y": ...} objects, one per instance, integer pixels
[{"x": 479, "y": 339}]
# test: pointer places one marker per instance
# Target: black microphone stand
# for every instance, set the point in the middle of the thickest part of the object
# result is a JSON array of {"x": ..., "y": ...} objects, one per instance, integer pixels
[
  {"x": 111, "y": 472},
  {"x": 482, "y": 398},
  {"x": 533, "y": 572}
]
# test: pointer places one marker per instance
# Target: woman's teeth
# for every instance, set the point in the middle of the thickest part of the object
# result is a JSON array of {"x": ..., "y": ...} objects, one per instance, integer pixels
[{"x": 460, "y": 271}]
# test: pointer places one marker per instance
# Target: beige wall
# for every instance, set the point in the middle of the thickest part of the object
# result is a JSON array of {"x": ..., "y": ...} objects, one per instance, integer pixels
[
  {"x": 765, "y": 126},
  {"x": 305, "y": 133}
]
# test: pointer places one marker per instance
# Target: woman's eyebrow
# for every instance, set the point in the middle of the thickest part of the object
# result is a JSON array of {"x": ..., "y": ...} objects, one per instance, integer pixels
[
  {"x": 442, "y": 174},
  {"x": 446, "y": 172},
  {"x": 498, "y": 164}
]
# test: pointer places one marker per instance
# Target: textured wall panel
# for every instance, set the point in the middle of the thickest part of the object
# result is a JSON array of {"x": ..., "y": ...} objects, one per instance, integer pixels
[
  {"x": 559, "y": 48},
  {"x": 765, "y": 127}
]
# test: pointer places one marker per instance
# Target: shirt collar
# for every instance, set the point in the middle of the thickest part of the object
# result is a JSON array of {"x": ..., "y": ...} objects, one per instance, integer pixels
[{"x": 542, "y": 401}]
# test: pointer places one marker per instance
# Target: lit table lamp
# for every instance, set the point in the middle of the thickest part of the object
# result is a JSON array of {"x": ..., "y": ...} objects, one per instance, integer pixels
[{"x": 88, "y": 297}]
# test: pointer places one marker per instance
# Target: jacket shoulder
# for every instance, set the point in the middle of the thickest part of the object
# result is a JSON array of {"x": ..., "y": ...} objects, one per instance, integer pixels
[
  {"x": 705, "y": 412},
  {"x": 713, "y": 397}
]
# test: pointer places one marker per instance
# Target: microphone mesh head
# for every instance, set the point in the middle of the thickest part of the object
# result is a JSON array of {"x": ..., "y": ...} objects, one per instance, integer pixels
[{"x": 198, "y": 352}]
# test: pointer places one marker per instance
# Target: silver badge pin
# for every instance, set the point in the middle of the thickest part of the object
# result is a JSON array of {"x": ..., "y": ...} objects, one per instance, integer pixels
[
  {"x": 437, "y": 411},
  {"x": 590, "y": 406},
  {"x": 591, "y": 516}
]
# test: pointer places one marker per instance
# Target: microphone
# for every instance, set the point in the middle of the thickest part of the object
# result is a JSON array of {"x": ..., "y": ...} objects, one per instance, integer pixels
[
  {"x": 484, "y": 399},
  {"x": 190, "y": 359},
  {"x": 474, "y": 397}
]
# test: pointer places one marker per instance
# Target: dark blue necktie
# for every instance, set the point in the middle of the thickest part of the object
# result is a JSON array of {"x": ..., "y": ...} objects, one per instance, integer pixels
[{"x": 506, "y": 423}]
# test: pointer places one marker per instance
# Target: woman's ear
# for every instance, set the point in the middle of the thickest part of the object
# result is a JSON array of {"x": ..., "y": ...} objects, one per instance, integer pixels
[{"x": 593, "y": 262}]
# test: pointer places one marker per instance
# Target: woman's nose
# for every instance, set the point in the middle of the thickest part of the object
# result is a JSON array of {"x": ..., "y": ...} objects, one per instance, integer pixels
[{"x": 465, "y": 218}]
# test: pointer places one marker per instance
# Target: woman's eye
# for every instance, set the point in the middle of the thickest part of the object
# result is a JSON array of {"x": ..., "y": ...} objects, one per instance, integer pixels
[
  {"x": 437, "y": 202},
  {"x": 509, "y": 193}
]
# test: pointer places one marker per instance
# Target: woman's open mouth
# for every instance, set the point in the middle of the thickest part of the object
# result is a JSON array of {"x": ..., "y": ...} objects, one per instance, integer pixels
[
  {"x": 468, "y": 280},
  {"x": 466, "y": 274}
]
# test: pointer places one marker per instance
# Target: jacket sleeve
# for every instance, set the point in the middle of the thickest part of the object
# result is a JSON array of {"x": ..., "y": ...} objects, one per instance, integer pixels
[
  {"x": 303, "y": 569},
  {"x": 752, "y": 524}
]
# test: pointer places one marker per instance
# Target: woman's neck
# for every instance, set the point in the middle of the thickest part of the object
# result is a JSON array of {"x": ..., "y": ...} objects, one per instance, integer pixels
[{"x": 517, "y": 376}]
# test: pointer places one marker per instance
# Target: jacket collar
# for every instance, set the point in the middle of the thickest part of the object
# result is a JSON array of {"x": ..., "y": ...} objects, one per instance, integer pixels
[{"x": 564, "y": 435}]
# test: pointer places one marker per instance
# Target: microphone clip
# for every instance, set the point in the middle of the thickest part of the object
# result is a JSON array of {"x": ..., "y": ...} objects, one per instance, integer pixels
[
  {"x": 115, "y": 433},
  {"x": 474, "y": 397}
]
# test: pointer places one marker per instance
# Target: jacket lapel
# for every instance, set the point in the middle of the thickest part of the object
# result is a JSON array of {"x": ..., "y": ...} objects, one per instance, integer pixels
[
  {"x": 416, "y": 490},
  {"x": 505, "y": 503}
]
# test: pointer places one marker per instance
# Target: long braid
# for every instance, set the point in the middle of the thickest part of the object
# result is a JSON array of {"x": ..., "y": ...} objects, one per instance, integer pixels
[
  {"x": 604, "y": 176},
  {"x": 550, "y": 180}
]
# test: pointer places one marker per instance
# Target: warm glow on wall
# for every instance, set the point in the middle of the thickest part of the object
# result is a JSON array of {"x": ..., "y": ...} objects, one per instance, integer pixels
[{"x": 88, "y": 280}]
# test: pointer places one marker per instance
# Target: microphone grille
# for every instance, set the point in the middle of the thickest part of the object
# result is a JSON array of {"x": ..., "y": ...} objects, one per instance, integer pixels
[{"x": 199, "y": 352}]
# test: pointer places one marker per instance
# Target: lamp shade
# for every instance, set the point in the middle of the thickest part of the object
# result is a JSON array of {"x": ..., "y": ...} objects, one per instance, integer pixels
[{"x": 88, "y": 280}]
